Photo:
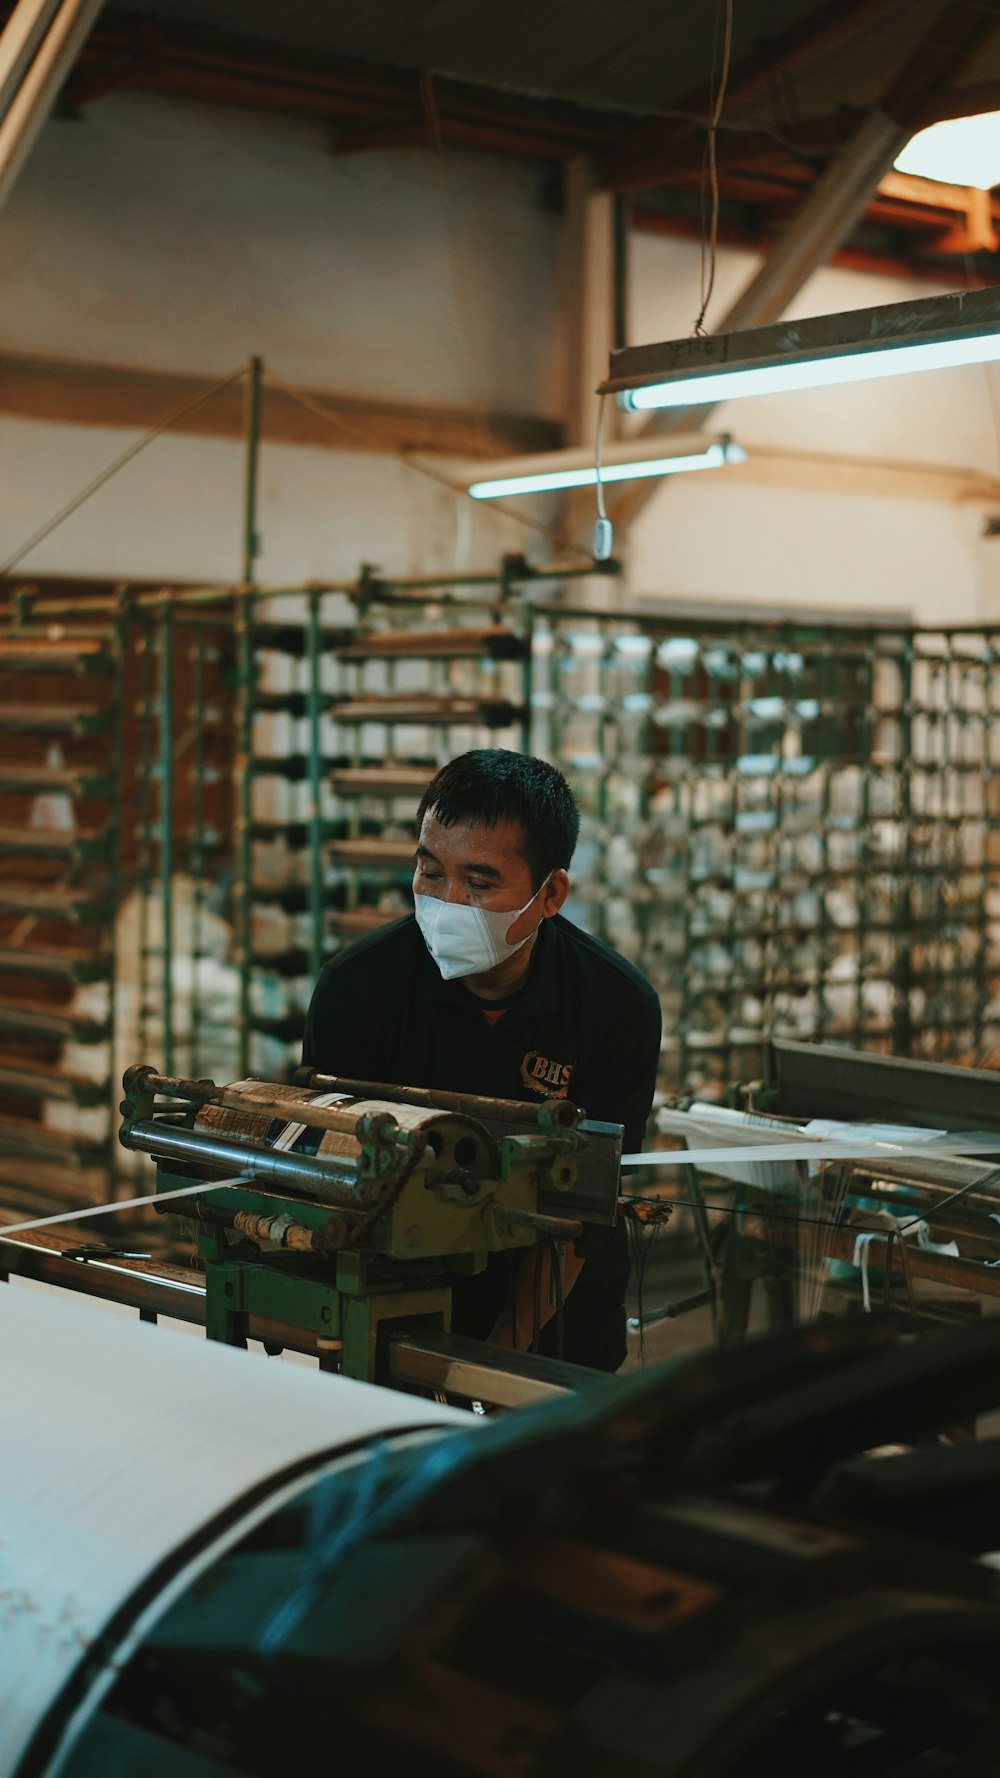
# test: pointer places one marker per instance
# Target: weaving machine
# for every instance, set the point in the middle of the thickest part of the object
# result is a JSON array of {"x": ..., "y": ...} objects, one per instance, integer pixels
[
  {"x": 918, "y": 1222},
  {"x": 209, "y": 1565},
  {"x": 344, "y": 1206}
]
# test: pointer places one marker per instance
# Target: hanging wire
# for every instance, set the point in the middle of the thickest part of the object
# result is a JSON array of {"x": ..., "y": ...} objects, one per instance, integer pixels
[
  {"x": 709, "y": 249},
  {"x": 364, "y": 438},
  {"x": 112, "y": 469},
  {"x": 556, "y": 1278},
  {"x": 602, "y": 511}
]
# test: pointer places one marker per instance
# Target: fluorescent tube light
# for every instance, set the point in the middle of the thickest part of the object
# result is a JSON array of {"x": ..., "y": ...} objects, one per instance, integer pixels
[
  {"x": 959, "y": 151},
  {"x": 937, "y": 333},
  {"x": 520, "y": 479}
]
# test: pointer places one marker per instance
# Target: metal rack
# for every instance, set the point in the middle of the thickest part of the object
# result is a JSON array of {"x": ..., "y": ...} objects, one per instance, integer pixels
[
  {"x": 60, "y": 730},
  {"x": 788, "y": 828},
  {"x": 350, "y": 699}
]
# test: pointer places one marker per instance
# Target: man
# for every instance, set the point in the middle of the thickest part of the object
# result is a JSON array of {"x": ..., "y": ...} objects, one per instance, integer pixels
[{"x": 486, "y": 989}]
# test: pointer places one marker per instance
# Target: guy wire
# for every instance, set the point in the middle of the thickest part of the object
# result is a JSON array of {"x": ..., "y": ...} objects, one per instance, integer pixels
[{"x": 106, "y": 475}]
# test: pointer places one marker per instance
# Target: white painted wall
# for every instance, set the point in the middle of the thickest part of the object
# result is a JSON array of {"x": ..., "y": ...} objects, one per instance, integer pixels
[
  {"x": 169, "y": 234},
  {"x": 175, "y": 511},
  {"x": 187, "y": 236}
]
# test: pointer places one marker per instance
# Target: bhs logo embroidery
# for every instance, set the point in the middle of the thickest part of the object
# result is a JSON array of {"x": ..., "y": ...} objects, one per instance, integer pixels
[{"x": 551, "y": 1079}]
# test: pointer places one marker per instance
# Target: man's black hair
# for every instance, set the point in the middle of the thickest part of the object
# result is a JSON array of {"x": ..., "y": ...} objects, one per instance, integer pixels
[{"x": 492, "y": 785}]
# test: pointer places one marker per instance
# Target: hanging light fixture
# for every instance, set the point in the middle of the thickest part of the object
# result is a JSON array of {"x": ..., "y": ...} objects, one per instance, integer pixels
[
  {"x": 936, "y": 333},
  {"x": 627, "y": 461}
]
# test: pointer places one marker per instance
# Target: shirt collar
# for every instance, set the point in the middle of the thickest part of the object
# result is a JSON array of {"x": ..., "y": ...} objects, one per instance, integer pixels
[{"x": 540, "y": 993}]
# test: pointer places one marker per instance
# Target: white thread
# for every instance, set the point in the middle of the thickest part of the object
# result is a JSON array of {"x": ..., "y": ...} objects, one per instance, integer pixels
[
  {"x": 669, "y": 1157},
  {"x": 862, "y": 1250},
  {"x": 985, "y": 1142},
  {"x": 194, "y": 1190}
]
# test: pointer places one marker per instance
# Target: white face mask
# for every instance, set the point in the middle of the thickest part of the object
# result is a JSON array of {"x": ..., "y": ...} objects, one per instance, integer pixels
[{"x": 465, "y": 940}]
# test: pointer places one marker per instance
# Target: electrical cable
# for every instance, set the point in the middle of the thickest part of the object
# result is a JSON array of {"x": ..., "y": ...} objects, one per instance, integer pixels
[
  {"x": 715, "y": 114},
  {"x": 640, "y": 1238},
  {"x": 602, "y": 511},
  {"x": 603, "y": 531},
  {"x": 409, "y": 459},
  {"x": 536, "y": 1305},
  {"x": 555, "y": 1275},
  {"x": 127, "y": 456}
]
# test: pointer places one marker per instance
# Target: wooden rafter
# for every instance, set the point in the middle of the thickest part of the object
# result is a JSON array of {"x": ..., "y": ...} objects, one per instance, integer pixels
[
  {"x": 115, "y": 395},
  {"x": 646, "y": 220},
  {"x": 951, "y": 42},
  {"x": 643, "y": 158},
  {"x": 140, "y": 54}
]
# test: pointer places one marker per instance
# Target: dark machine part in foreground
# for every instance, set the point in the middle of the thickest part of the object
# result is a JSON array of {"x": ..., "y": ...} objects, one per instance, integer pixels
[
  {"x": 690, "y": 1573},
  {"x": 348, "y": 1205}
]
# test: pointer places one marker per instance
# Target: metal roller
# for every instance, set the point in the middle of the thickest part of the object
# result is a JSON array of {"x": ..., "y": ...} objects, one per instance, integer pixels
[{"x": 455, "y": 1144}]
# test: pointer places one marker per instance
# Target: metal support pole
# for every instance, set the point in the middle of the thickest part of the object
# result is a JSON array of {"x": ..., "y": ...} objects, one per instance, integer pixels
[
  {"x": 196, "y": 655},
  {"x": 316, "y": 872},
  {"x": 144, "y": 648},
  {"x": 40, "y": 86},
  {"x": 119, "y": 646},
  {"x": 246, "y": 674},
  {"x": 251, "y": 421},
  {"x": 166, "y": 819},
  {"x": 19, "y": 41}
]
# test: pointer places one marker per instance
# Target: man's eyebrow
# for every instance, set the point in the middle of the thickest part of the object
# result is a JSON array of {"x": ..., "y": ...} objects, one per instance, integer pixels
[{"x": 469, "y": 865}]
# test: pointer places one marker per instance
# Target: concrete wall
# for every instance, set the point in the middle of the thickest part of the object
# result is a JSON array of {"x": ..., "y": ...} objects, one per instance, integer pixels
[{"x": 168, "y": 234}]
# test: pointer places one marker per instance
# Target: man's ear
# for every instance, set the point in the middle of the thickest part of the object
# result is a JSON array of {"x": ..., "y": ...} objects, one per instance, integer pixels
[{"x": 555, "y": 894}]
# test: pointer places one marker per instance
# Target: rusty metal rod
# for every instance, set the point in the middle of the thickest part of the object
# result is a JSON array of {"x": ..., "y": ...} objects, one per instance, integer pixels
[
  {"x": 566, "y": 1116},
  {"x": 232, "y": 1098}
]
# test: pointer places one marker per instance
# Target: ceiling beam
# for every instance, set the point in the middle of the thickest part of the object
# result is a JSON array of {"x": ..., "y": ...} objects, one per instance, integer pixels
[
  {"x": 33, "y": 80},
  {"x": 631, "y": 165},
  {"x": 732, "y": 234},
  {"x": 960, "y": 101},
  {"x": 114, "y": 395},
  {"x": 948, "y": 46},
  {"x": 126, "y": 52},
  {"x": 827, "y": 472},
  {"x": 453, "y": 132},
  {"x": 811, "y": 140}
]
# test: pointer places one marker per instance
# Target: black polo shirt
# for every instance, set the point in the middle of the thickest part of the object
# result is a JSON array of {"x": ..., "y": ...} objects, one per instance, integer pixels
[{"x": 585, "y": 1026}]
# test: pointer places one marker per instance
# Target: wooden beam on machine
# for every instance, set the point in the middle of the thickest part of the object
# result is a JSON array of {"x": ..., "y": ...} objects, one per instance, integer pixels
[{"x": 113, "y": 395}]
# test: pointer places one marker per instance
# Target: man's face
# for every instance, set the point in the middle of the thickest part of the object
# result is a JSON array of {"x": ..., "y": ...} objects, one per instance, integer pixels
[{"x": 483, "y": 867}]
